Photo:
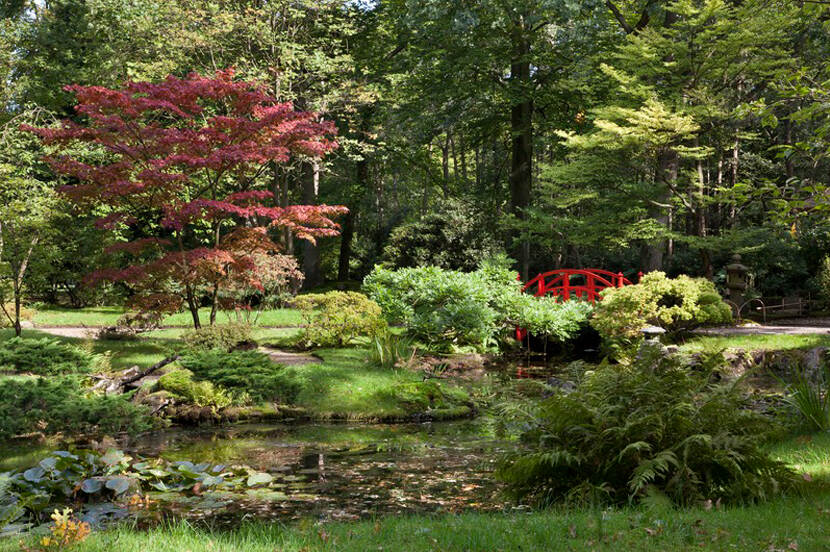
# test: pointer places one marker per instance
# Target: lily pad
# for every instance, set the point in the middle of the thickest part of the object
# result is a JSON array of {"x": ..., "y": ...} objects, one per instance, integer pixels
[
  {"x": 34, "y": 474},
  {"x": 118, "y": 484},
  {"x": 91, "y": 486},
  {"x": 259, "y": 478}
]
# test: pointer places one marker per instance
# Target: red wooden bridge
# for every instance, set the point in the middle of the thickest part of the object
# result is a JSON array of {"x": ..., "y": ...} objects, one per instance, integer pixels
[{"x": 574, "y": 283}]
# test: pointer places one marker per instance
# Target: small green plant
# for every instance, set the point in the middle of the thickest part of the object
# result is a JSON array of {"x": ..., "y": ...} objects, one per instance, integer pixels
[
  {"x": 222, "y": 337},
  {"x": 181, "y": 385},
  {"x": 388, "y": 350},
  {"x": 337, "y": 317},
  {"x": 44, "y": 357},
  {"x": 810, "y": 399},
  {"x": 248, "y": 372},
  {"x": 652, "y": 428}
]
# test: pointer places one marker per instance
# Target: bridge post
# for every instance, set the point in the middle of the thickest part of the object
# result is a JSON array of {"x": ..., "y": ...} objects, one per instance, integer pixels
[
  {"x": 566, "y": 287},
  {"x": 620, "y": 279}
]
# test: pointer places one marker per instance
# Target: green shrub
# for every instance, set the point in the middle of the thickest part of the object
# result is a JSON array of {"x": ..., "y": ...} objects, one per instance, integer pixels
[
  {"x": 62, "y": 404},
  {"x": 653, "y": 428},
  {"x": 181, "y": 385},
  {"x": 248, "y": 372},
  {"x": 456, "y": 308},
  {"x": 224, "y": 337},
  {"x": 675, "y": 304},
  {"x": 337, "y": 317},
  {"x": 43, "y": 357}
]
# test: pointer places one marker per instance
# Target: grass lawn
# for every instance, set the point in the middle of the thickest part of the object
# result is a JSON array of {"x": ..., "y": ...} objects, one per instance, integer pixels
[
  {"x": 781, "y": 525},
  {"x": 756, "y": 342},
  {"x": 107, "y": 316},
  {"x": 346, "y": 386}
]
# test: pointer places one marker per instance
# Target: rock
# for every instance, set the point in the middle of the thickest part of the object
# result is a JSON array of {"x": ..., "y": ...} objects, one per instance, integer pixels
[{"x": 564, "y": 385}]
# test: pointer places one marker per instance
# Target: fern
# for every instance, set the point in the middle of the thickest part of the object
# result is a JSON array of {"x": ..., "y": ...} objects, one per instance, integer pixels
[{"x": 655, "y": 427}]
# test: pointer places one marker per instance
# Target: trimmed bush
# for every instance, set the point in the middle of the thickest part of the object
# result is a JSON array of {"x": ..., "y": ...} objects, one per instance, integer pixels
[
  {"x": 652, "y": 428},
  {"x": 248, "y": 372},
  {"x": 674, "y": 304},
  {"x": 222, "y": 337},
  {"x": 43, "y": 357},
  {"x": 337, "y": 317},
  {"x": 62, "y": 404}
]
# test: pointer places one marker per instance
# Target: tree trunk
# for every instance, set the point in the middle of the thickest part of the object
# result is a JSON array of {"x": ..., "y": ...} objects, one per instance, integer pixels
[
  {"x": 445, "y": 165},
  {"x": 311, "y": 251},
  {"x": 346, "y": 238},
  {"x": 18, "y": 329},
  {"x": 521, "y": 128},
  {"x": 667, "y": 167},
  {"x": 193, "y": 306}
]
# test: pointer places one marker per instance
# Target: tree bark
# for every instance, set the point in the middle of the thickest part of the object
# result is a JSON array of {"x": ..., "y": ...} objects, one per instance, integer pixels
[
  {"x": 521, "y": 127},
  {"x": 667, "y": 168},
  {"x": 311, "y": 251}
]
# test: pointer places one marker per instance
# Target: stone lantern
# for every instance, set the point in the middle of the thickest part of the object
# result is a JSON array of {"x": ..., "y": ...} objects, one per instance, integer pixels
[{"x": 736, "y": 280}]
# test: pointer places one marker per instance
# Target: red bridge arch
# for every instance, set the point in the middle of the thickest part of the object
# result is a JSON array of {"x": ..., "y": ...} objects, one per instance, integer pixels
[{"x": 574, "y": 283}]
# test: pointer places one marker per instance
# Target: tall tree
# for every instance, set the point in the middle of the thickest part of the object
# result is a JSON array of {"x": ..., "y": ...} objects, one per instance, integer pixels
[{"x": 180, "y": 163}]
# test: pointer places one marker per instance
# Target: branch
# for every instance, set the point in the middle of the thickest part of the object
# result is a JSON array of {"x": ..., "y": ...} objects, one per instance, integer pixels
[{"x": 619, "y": 17}]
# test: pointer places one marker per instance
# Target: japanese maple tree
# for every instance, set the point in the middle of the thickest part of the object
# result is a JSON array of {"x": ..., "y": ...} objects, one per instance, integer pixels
[{"x": 178, "y": 164}]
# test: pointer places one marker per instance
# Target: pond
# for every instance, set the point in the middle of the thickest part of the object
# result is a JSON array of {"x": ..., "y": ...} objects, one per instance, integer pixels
[{"x": 328, "y": 471}]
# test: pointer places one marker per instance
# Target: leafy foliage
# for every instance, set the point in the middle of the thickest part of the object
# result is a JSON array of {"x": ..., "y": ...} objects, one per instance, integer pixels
[
  {"x": 181, "y": 385},
  {"x": 62, "y": 404},
  {"x": 187, "y": 152},
  {"x": 675, "y": 304},
  {"x": 810, "y": 399},
  {"x": 248, "y": 373},
  {"x": 337, "y": 317},
  {"x": 655, "y": 427},
  {"x": 450, "y": 239},
  {"x": 468, "y": 308},
  {"x": 44, "y": 357},
  {"x": 223, "y": 337}
]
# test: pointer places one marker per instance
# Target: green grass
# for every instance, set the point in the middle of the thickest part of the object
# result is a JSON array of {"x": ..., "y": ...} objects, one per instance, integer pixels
[
  {"x": 756, "y": 342},
  {"x": 806, "y": 453},
  {"x": 346, "y": 386},
  {"x": 107, "y": 316},
  {"x": 785, "y": 524}
]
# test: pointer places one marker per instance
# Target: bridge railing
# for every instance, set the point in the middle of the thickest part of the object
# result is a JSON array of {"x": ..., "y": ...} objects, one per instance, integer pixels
[{"x": 558, "y": 284}]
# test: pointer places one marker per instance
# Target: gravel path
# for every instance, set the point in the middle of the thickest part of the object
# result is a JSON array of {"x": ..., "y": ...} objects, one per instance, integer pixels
[{"x": 779, "y": 329}]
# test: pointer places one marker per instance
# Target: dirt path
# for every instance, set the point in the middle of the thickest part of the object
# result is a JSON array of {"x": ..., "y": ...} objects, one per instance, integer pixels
[{"x": 289, "y": 359}]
